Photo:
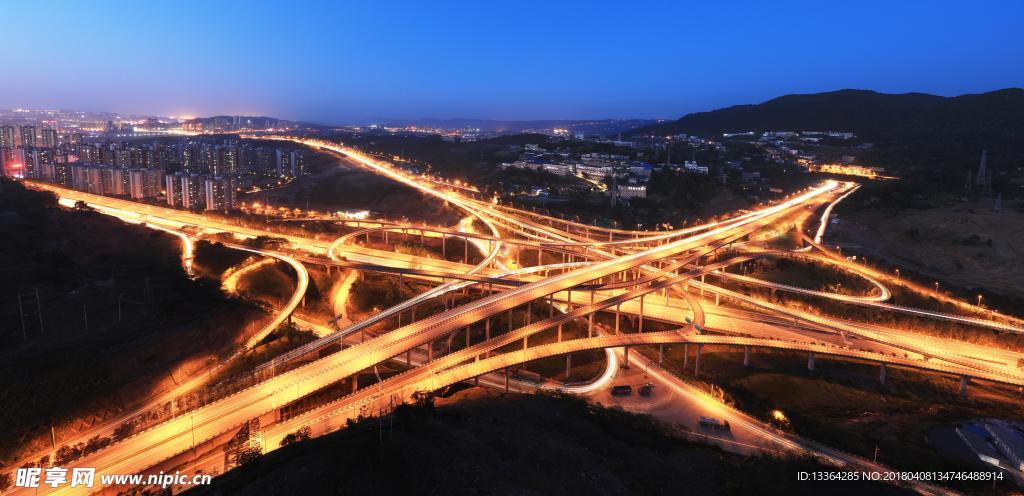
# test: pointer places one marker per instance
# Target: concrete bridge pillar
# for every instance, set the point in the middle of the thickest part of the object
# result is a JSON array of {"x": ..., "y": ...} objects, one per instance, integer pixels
[
  {"x": 568, "y": 365},
  {"x": 506, "y": 379},
  {"x": 881, "y": 374},
  {"x": 559, "y": 333},
  {"x": 661, "y": 354},
  {"x": 641, "y": 325},
  {"x": 964, "y": 380},
  {"x": 686, "y": 354},
  {"x": 718, "y": 299},
  {"x": 618, "y": 316},
  {"x": 625, "y": 363},
  {"x": 696, "y": 361},
  {"x": 810, "y": 361},
  {"x": 590, "y": 325},
  {"x": 746, "y": 356}
]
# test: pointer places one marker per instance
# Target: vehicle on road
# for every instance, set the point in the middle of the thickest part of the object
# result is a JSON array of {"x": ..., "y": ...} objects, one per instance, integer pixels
[
  {"x": 623, "y": 390},
  {"x": 713, "y": 423},
  {"x": 646, "y": 389}
]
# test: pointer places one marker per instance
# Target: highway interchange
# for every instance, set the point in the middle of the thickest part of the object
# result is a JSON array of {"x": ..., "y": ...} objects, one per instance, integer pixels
[{"x": 578, "y": 271}]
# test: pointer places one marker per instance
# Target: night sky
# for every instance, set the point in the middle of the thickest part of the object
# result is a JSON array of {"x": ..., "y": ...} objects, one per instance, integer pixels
[{"x": 348, "y": 62}]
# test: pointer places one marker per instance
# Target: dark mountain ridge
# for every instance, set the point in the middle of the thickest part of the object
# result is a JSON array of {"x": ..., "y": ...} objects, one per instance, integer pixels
[{"x": 998, "y": 115}]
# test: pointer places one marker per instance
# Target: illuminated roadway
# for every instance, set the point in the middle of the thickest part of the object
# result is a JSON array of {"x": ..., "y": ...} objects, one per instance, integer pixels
[{"x": 644, "y": 253}]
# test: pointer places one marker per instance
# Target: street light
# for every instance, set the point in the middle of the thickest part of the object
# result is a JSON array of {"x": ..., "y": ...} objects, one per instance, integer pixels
[
  {"x": 979, "y": 299},
  {"x": 897, "y": 274},
  {"x": 936, "y": 285}
]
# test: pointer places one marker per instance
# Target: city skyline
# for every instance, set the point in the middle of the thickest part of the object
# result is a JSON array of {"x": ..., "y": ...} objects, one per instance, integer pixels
[{"x": 343, "y": 64}]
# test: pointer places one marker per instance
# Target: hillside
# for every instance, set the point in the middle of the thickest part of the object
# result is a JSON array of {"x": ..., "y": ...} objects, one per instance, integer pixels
[
  {"x": 872, "y": 115},
  {"x": 115, "y": 312},
  {"x": 489, "y": 443}
]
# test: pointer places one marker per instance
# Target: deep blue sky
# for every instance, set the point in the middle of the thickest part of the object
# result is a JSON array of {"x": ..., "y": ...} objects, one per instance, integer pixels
[{"x": 359, "y": 61}]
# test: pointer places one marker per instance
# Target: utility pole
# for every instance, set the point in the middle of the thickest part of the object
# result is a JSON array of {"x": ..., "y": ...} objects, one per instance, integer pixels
[
  {"x": 21, "y": 313},
  {"x": 39, "y": 310}
]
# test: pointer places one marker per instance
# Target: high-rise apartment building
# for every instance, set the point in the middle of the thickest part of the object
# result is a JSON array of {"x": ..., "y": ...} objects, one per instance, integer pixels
[
  {"x": 7, "y": 137},
  {"x": 144, "y": 183},
  {"x": 220, "y": 193},
  {"x": 49, "y": 138},
  {"x": 28, "y": 136}
]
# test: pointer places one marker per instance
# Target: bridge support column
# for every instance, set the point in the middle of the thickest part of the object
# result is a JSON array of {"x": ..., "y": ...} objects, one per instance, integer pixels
[
  {"x": 408, "y": 358},
  {"x": 506, "y": 379},
  {"x": 355, "y": 382},
  {"x": 467, "y": 336},
  {"x": 964, "y": 380},
  {"x": 746, "y": 356},
  {"x": 430, "y": 352},
  {"x": 686, "y": 355},
  {"x": 559, "y": 333},
  {"x": 509, "y": 320},
  {"x": 661, "y": 354},
  {"x": 810, "y": 361},
  {"x": 618, "y": 317},
  {"x": 666, "y": 297},
  {"x": 444, "y": 246},
  {"x": 718, "y": 299},
  {"x": 465, "y": 249},
  {"x": 702, "y": 285},
  {"x": 590, "y": 325},
  {"x": 625, "y": 362},
  {"x": 568, "y": 365},
  {"x": 881, "y": 374},
  {"x": 641, "y": 325},
  {"x": 696, "y": 361}
]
